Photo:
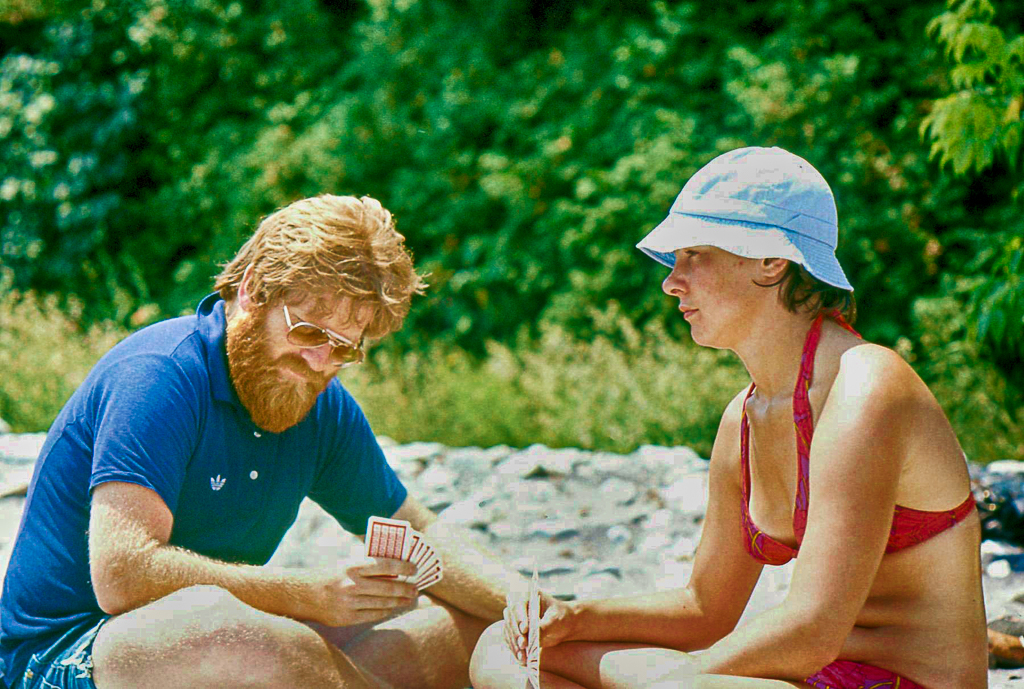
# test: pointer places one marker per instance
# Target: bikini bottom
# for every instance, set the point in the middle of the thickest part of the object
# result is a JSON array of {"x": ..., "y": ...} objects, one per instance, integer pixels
[{"x": 849, "y": 674}]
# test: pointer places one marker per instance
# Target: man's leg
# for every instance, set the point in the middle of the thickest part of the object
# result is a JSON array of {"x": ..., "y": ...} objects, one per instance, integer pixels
[
  {"x": 203, "y": 636},
  {"x": 597, "y": 665},
  {"x": 429, "y": 646}
]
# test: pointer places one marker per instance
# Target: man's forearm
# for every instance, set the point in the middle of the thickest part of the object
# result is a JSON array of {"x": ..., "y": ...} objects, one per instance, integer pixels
[
  {"x": 474, "y": 579},
  {"x": 158, "y": 570}
]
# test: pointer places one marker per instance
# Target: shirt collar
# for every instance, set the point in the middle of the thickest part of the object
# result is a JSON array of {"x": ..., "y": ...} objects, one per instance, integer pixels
[{"x": 212, "y": 331}]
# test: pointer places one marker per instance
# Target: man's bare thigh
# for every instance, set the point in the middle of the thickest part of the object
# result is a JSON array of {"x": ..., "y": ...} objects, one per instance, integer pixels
[{"x": 428, "y": 645}]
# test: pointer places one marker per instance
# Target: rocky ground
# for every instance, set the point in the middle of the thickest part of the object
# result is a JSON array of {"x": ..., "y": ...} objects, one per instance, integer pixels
[{"x": 595, "y": 524}]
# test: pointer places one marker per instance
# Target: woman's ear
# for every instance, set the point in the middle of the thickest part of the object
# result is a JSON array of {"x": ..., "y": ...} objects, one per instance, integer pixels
[{"x": 773, "y": 269}]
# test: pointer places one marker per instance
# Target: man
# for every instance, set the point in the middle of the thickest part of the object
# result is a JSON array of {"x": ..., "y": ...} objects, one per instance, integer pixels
[{"x": 171, "y": 475}]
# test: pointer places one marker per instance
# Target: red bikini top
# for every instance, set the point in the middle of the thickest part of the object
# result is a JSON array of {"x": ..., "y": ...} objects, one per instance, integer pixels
[{"x": 909, "y": 526}]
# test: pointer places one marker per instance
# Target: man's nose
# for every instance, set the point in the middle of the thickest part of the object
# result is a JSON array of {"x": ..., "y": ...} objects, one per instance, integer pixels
[{"x": 317, "y": 358}]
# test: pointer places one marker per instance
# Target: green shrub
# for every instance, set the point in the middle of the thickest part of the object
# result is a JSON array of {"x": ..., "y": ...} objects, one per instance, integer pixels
[
  {"x": 986, "y": 412},
  {"x": 43, "y": 358}
]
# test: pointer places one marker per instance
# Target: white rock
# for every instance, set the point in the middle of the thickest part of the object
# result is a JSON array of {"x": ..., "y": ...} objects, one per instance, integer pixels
[
  {"x": 618, "y": 534},
  {"x": 1006, "y": 466},
  {"x": 602, "y": 585},
  {"x": 654, "y": 544},
  {"x": 618, "y": 491},
  {"x": 21, "y": 447},
  {"x": 529, "y": 491},
  {"x": 552, "y": 528},
  {"x": 1000, "y": 569},
  {"x": 660, "y": 520},
  {"x": 689, "y": 494},
  {"x": 608, "y": 463},
  {"x": 668, "y": 459},
  {"x": 496, "y": 454},
  {"x": 540, "y": 460},
  {"x": 465, "y": 513},
  {"x": 672, "y": 574},
  {"x": 437, "y": 477},
  {"x": 412, "y": 451},
  {"x": 683, "y": 548},
  {"x": 998, "y": 548},
  {"x": 505, "y": 530}
]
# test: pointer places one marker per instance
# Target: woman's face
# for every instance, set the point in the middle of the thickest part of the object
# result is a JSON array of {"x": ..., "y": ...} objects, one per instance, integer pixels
[{"x": 714, "y": 289}]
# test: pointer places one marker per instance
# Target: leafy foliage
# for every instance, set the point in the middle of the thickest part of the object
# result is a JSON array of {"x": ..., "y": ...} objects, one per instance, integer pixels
[
  {"x": 524, "y": 146},
  {"x": 971, "y": 129},
  {"x": 982, "y": 118}
]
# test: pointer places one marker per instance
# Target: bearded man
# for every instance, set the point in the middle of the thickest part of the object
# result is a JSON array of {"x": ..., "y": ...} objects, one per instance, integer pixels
[{"x": 173, "y": 472}]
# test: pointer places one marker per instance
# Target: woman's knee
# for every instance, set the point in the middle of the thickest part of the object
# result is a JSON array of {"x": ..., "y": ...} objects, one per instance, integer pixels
[{"x": 491, "y": 657}]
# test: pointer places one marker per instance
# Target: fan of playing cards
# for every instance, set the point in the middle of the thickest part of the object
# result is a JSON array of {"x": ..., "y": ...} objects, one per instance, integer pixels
[
  {"x": 397, "y": 539},
  {"x": 533, "y": 633},
  {"x": 514, "y": 599}
]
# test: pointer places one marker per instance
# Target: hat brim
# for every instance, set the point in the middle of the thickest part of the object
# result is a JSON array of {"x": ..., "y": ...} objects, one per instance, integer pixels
[{"x": 747, "y": 239}]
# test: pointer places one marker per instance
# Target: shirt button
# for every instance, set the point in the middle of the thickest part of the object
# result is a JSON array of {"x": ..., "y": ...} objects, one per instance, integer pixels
[
  {"x": 254, "y": 474},
  {"x": 257, "y": 434}
]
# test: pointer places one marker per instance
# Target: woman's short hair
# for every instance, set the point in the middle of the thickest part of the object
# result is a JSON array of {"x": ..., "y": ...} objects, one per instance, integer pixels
[
  {"x": 330, "y": 246},
  {"x": 799, "y": 291}
]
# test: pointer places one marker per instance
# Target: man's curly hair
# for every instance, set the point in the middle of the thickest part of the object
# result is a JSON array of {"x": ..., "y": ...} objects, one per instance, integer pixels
[{"x": 329, "y": 246}]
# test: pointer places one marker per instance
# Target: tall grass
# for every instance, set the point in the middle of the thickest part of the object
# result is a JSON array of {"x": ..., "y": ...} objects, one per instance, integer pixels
[
  {"x": 614, "y": 392},
  {"x": 43, "y": 358}
]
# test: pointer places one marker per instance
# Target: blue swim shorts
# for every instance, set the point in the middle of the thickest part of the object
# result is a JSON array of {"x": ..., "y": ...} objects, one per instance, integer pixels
[{"x": 67, "y": 664}]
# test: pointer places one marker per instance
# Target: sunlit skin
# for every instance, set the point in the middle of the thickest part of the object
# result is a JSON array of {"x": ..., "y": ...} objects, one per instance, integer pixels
[{"x": 880, "y": 439}]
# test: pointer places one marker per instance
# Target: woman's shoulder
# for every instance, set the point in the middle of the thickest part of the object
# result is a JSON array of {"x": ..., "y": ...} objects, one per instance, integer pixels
[
  {"x": 733, "y": 413},
  {"x": 725, "y": 455},
  {"x": 874, "y": 387},
  {"x": 868, "y": 370}
]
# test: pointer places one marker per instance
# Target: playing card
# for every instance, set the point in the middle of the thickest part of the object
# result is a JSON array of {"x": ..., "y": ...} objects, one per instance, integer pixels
[
  {"x": 388, "y": 538},
  {"x": 430, "y": 581},
  {"x": 396, "y": 539},
  {"x": 533, "y": 633}
]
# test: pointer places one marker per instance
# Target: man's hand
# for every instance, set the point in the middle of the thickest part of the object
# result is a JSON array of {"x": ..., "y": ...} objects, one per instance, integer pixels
[{"x": 361, "y": 592}]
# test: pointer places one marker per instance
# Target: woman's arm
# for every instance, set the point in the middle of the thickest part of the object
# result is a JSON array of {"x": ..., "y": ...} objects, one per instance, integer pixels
[
  {"x": 855, "y": 465},
  {"x": 724, "y": 574}
]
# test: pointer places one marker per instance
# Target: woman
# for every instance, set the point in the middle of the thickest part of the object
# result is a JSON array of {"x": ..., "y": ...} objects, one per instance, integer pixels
[{"x": 886, "y": 591}]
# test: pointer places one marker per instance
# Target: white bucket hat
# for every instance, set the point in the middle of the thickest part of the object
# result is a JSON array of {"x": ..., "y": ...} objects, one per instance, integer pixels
[{"x": 758, "y": 203}]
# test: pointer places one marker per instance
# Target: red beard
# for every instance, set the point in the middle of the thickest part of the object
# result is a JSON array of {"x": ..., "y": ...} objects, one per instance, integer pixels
[{"x": 275, "y": 403}]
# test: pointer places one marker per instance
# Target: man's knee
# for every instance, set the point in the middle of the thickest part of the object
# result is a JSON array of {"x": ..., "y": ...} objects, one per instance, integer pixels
[
  {"x": 199, "y": 635},
  {"x": 490, "y": 656}
]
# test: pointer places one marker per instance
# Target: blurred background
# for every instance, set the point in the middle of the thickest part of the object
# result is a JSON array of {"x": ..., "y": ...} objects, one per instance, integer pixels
[{"x": 525, "y": 146}]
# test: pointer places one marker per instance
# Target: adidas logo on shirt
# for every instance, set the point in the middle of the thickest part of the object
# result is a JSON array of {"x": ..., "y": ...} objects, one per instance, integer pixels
[{"x": 217, "y": 483}]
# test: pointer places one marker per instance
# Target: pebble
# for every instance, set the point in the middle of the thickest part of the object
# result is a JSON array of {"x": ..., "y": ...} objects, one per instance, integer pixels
[
  {"x": 618, "y": 491},
  {"x": 20, "y": 448},
  {"x": 1005, "y": 466}
]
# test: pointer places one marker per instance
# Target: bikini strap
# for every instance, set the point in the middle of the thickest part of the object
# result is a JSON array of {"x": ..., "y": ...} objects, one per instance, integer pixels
[
  {"x": 803, "y": 418},
  {"x": 837, "y": 316},
  {"x": 745, "y": 447}
]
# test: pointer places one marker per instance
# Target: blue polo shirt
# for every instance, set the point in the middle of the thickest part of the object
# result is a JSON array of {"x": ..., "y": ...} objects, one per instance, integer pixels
[{"x": 160, "y": 410}]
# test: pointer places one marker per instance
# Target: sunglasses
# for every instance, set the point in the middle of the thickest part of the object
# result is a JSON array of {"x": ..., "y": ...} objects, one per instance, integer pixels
[{"x": 306, "y": 335}]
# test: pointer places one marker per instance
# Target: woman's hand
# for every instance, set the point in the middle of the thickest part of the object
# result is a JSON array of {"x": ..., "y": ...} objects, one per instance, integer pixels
[{"x": 556, "y": 624}]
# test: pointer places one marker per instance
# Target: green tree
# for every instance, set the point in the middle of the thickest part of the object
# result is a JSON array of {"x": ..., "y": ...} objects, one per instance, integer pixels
[{"x": 975, "y": 129}]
